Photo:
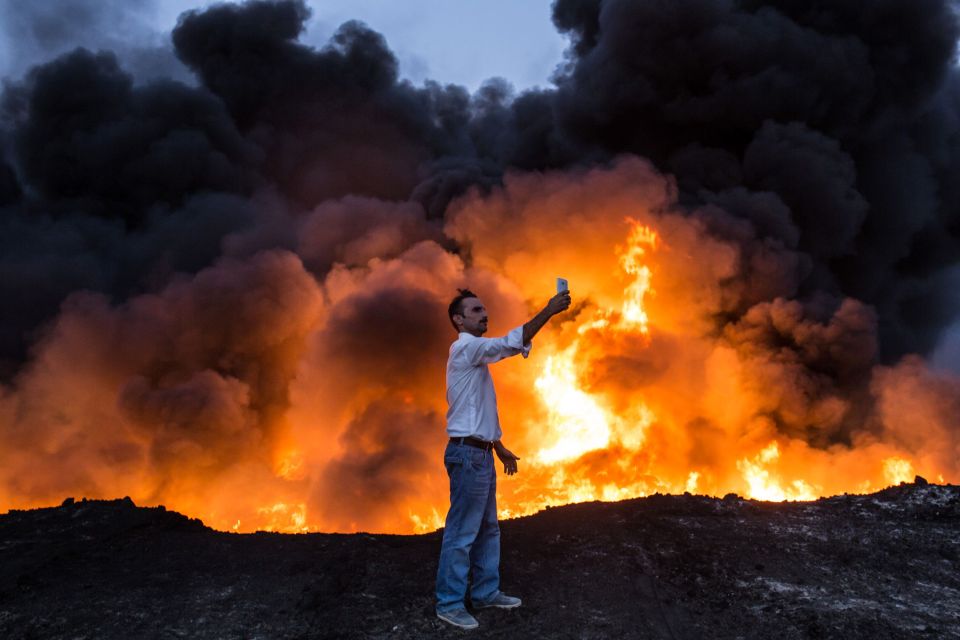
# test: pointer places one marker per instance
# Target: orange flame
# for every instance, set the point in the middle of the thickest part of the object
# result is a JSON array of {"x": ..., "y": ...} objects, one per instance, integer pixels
[
  {"x": 897, "y": 470},
  {"x": 579, "y": 422},
  {"x": 275, "y": 423},
  {"x": 764, "y": 486},
  {"x": 641, "y": 240}
]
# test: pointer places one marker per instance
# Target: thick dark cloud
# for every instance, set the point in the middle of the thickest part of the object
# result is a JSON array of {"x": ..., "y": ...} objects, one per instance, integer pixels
[
  {"x": 833, "y": 132},
  {"x": 179, "y": 166},
  {"x": 659, "y": 75},
  {"x": 814, "y": 178},
  {"x": 10, "y": 191},
  {"x": 910, "y": 44},
  {"x": 813, "y": 150},
  {"x": 392, "y": 338},
  {"x": 386, "y": 465},
  {"x": 90, "y": 141},
  {"x": 43, "y": 261},
  {"x": 815, "y": 370},
  {"x": 845, "y": 112},
  {"x": 331, "y": 122},
  {"x": 195, "y": 377}
]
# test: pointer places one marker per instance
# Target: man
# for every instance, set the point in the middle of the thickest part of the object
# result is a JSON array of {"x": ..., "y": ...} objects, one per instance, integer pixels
[{"x": 471, "y": 536}]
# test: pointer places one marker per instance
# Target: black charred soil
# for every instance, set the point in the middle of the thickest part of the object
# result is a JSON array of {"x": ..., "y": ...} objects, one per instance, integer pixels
[{"x": 874, "y": 566}]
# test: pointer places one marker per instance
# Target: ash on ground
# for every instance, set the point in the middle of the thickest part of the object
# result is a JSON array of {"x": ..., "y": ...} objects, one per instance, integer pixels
[{"x": 856, "y": 566}]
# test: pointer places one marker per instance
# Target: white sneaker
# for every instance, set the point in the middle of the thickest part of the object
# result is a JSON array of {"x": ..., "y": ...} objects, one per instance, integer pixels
[
  {"x": 459, "y": 618},
  {"x": 502, "y": 601}
]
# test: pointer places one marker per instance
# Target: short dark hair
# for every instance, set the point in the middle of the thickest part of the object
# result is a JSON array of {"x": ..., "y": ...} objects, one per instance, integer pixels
[{"x": 456, "y": 305}]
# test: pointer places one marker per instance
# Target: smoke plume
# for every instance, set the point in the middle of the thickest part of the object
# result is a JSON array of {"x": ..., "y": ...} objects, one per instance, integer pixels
[{"x": 225, "y": 288}]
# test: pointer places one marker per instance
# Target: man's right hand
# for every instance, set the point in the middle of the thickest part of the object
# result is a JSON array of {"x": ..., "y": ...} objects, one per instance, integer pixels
[{"x": 559, "y": 303}]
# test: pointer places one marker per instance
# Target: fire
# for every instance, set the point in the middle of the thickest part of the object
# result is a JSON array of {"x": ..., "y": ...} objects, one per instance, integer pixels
[
  {"x": 763, "y": 485},
  {"x": 577, "y": 421},
  {"x": 581, "y": 423},
  {"x": 283, "y": 518},
  {"x": 290, "y": 466},
  {"x": 897, "y": 470},
  {"x": 640, "y": 240},
  {"x": 431, "y": 522},
  {"x": 319, "y": 414},
  {"x": 692, "y": 480}
]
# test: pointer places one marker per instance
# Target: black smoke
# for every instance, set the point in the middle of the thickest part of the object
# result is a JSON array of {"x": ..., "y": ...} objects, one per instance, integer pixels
[
  {"x": 844, "y": 117},
  {"x": 846, "y": 113},
  {"x": 824, "y": 138}
]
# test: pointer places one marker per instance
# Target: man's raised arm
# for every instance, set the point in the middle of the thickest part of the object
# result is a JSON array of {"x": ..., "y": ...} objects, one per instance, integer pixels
[{"x": 558, "y": 303}]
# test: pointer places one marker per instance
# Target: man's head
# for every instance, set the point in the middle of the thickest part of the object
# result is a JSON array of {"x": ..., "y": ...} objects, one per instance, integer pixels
[{"x": 468, "y": 314}]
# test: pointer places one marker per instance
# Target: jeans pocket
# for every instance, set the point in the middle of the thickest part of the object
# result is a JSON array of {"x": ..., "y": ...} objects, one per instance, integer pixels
[
  {"x": 452, "y": 463},
  {"x": 478, "y": 460}
]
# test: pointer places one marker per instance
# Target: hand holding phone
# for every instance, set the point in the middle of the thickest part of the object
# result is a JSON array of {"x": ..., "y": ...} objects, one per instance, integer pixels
[{"x": 561, "y": 301}]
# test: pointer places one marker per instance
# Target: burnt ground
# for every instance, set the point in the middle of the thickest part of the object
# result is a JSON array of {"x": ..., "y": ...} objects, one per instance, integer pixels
[{"x": 877, "y": 566}]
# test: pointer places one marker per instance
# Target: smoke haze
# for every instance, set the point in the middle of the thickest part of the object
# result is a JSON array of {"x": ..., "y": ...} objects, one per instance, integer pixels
[{"x": 226, "y": 267}]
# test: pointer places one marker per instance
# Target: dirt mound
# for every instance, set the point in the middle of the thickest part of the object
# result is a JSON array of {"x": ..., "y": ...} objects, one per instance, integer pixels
[{"x": 875, "y": 566}]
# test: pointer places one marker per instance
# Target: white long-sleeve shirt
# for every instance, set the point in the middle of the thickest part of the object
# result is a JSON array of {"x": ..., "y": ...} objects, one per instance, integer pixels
[{"x": 471, "y": 398}]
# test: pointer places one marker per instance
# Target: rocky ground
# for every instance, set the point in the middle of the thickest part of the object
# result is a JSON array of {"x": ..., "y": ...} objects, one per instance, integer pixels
[{"x": 877, "y": 566}]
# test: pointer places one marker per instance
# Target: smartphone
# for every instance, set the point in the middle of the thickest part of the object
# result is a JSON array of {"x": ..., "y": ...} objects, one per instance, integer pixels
[{"x": 562, "y": 285}]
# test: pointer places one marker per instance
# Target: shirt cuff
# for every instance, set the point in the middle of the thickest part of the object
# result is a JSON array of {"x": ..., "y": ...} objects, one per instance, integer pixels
[{"x": 515, "y": 341}]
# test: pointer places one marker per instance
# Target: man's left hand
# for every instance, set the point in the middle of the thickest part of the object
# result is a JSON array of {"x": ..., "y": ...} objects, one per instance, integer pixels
[{"x": 508, "y": 458}]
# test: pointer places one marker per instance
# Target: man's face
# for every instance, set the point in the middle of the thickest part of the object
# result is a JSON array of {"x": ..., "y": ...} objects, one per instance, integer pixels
[{"x": 474, "y": 317}]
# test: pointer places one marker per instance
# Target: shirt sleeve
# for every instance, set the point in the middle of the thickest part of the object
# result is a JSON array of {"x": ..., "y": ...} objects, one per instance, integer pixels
[{"x": 490, "y": 350}]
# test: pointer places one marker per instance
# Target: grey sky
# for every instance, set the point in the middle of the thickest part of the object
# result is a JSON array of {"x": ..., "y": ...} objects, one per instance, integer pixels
[{"x": 451, "y": 41}]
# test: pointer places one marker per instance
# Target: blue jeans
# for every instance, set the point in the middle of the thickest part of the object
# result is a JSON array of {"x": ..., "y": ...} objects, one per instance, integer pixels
[{"x": 471, "y": 535}]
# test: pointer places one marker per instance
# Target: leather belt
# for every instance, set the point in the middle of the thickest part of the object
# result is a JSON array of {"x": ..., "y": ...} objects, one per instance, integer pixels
[{"x": 473, "y": 442}]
